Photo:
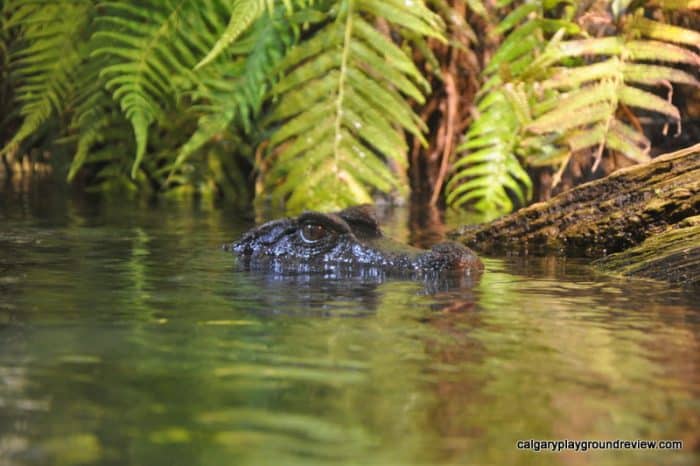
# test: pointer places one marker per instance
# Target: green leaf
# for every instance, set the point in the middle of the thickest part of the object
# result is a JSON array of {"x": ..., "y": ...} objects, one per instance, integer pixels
[
  {"x": 208, "y": 127},
  {"x": 485, "y": 178},
  {"x": 412, "y": 15},
  {"x": 654, "y": 50},
  {"x": 516, "y": 16},
  {"x": 341, "y": 107},
  {"x": 561, "y": 120},
  {"x": 394, "y": 56},
  {"x": 642, "y": 99},
  {"x": 243, "y": 14},
  {"x": 568, "y": 78},
  {"x": 654, "y": 75},
  {"x": 302, "y": 96},
  {"x": 587, "y": 137},
  {"x": 581, "y": 48},
  {"x": 47, "y": 69},
  {"x": 628, "y": 141},
  {"x": 663, "y": 32},
  {"x": 677, "y": 4}
]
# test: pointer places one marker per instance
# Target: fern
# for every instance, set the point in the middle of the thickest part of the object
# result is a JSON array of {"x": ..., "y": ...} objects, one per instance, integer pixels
[
  {"x": 44, "y": 70},
  {"x": 243, "y": 14},
  {"x": 148, "y": 43},
  {"x": 232, "y": 90},
  {"x": 490, "y": 171},
  {"x": 5, "y": 85},
  {"x": 95, "y": 116},
  {"x": 565, "y": 95},
  {"x": 316, "y": 96},
  {"x": 582, "y": 107},
  {"x": 211, "y": 60},
  {"x": 341, "y": 108}
]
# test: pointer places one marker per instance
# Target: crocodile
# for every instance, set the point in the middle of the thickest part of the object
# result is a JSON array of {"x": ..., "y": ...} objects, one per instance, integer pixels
[{"x": 349, "y": 240}]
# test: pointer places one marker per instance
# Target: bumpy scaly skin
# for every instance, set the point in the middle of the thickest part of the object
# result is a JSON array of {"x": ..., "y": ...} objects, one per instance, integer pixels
[{"x": 350, "y": 238}]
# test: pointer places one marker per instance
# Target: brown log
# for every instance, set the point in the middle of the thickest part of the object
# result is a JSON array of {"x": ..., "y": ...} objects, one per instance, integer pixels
[
  {"x": 609, "y": 215},
  {"x": 674, "y": 256}
]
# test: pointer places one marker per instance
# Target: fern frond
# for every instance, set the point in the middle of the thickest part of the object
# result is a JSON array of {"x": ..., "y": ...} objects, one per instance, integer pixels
[
  {"x": 677, "y": 4},
  {"x": 341, "y": 108},
  {"x": 663, "y": 32},
  {"x": 147, "y": 44},
  {"x": 243, "y": 14},
  {"x": 92, "y": 121},
  {"x": 489, "y": 175},
  {"x": 94, "y": 117},
  {"x": 572, "y": 89},
  {"x": 44, "y": 70},
  {"x": 600, "y": 88},
  {"x": 232, "y": 90}
]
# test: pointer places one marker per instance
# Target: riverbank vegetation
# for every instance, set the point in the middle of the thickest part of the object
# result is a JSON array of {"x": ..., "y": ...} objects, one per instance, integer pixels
[{"x": 326, "y": 103}]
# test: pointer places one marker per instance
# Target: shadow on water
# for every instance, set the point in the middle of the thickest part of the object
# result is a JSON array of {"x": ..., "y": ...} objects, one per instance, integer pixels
[{"x": 128, "y": 337}]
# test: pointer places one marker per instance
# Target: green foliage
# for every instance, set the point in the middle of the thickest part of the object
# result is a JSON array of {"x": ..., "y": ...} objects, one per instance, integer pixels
[
  {"x": 312, "y": 101},
  {"x": 342, "y": 108},
  {"x": 166, "y": 94},
  {"x": 43, "y": 68},
  {"x": 176, "y": 83},
  {"x": 491, "y": 166},
  {"x": 152, "y": 47},
  {"x": 552, "y": 89},
  {"x": 247, "y": 69},
  {"x": 5, "y": 86}
]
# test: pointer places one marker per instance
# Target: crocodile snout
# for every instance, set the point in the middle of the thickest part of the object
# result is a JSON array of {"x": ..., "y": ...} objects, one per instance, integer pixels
[{"x": 450, "y": 256}]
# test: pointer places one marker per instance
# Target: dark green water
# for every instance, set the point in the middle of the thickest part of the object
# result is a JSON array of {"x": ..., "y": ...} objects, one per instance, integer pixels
[{"x": 127, "y": 337}]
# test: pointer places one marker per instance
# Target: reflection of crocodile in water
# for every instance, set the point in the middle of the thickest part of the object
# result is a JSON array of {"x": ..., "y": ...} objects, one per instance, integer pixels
[{"x": 346, "y": 240}]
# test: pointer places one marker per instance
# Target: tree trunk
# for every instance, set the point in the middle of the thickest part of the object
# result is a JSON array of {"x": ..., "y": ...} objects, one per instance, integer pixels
[{"x": 646, "y": 207}]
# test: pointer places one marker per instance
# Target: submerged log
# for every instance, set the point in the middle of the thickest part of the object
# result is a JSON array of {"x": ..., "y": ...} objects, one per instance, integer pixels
[{"x": 642, "y": 207}]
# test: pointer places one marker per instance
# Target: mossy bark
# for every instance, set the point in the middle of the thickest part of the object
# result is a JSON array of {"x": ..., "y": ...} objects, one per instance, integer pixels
[
  {"x": 673, "y": 255},
  {"x": 644, "y": 210}
]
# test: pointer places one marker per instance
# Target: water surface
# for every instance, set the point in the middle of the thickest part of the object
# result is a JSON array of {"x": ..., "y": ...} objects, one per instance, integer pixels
[{"x": 127, "y": 337}]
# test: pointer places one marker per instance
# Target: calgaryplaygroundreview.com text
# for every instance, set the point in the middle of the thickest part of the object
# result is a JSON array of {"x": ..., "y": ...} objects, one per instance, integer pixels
[{"x": 585, "y": 445}]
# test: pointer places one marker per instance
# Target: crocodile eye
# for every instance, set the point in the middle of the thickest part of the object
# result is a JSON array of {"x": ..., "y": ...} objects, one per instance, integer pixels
[{"x": 312, "y": 232}]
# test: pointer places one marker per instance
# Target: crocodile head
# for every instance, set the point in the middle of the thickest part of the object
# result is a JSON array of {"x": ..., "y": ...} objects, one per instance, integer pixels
[{"x": 346, "y": 240}]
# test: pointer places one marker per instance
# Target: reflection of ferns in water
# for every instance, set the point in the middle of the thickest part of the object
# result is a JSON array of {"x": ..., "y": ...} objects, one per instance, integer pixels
[{"x": 544, "y": 100}]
